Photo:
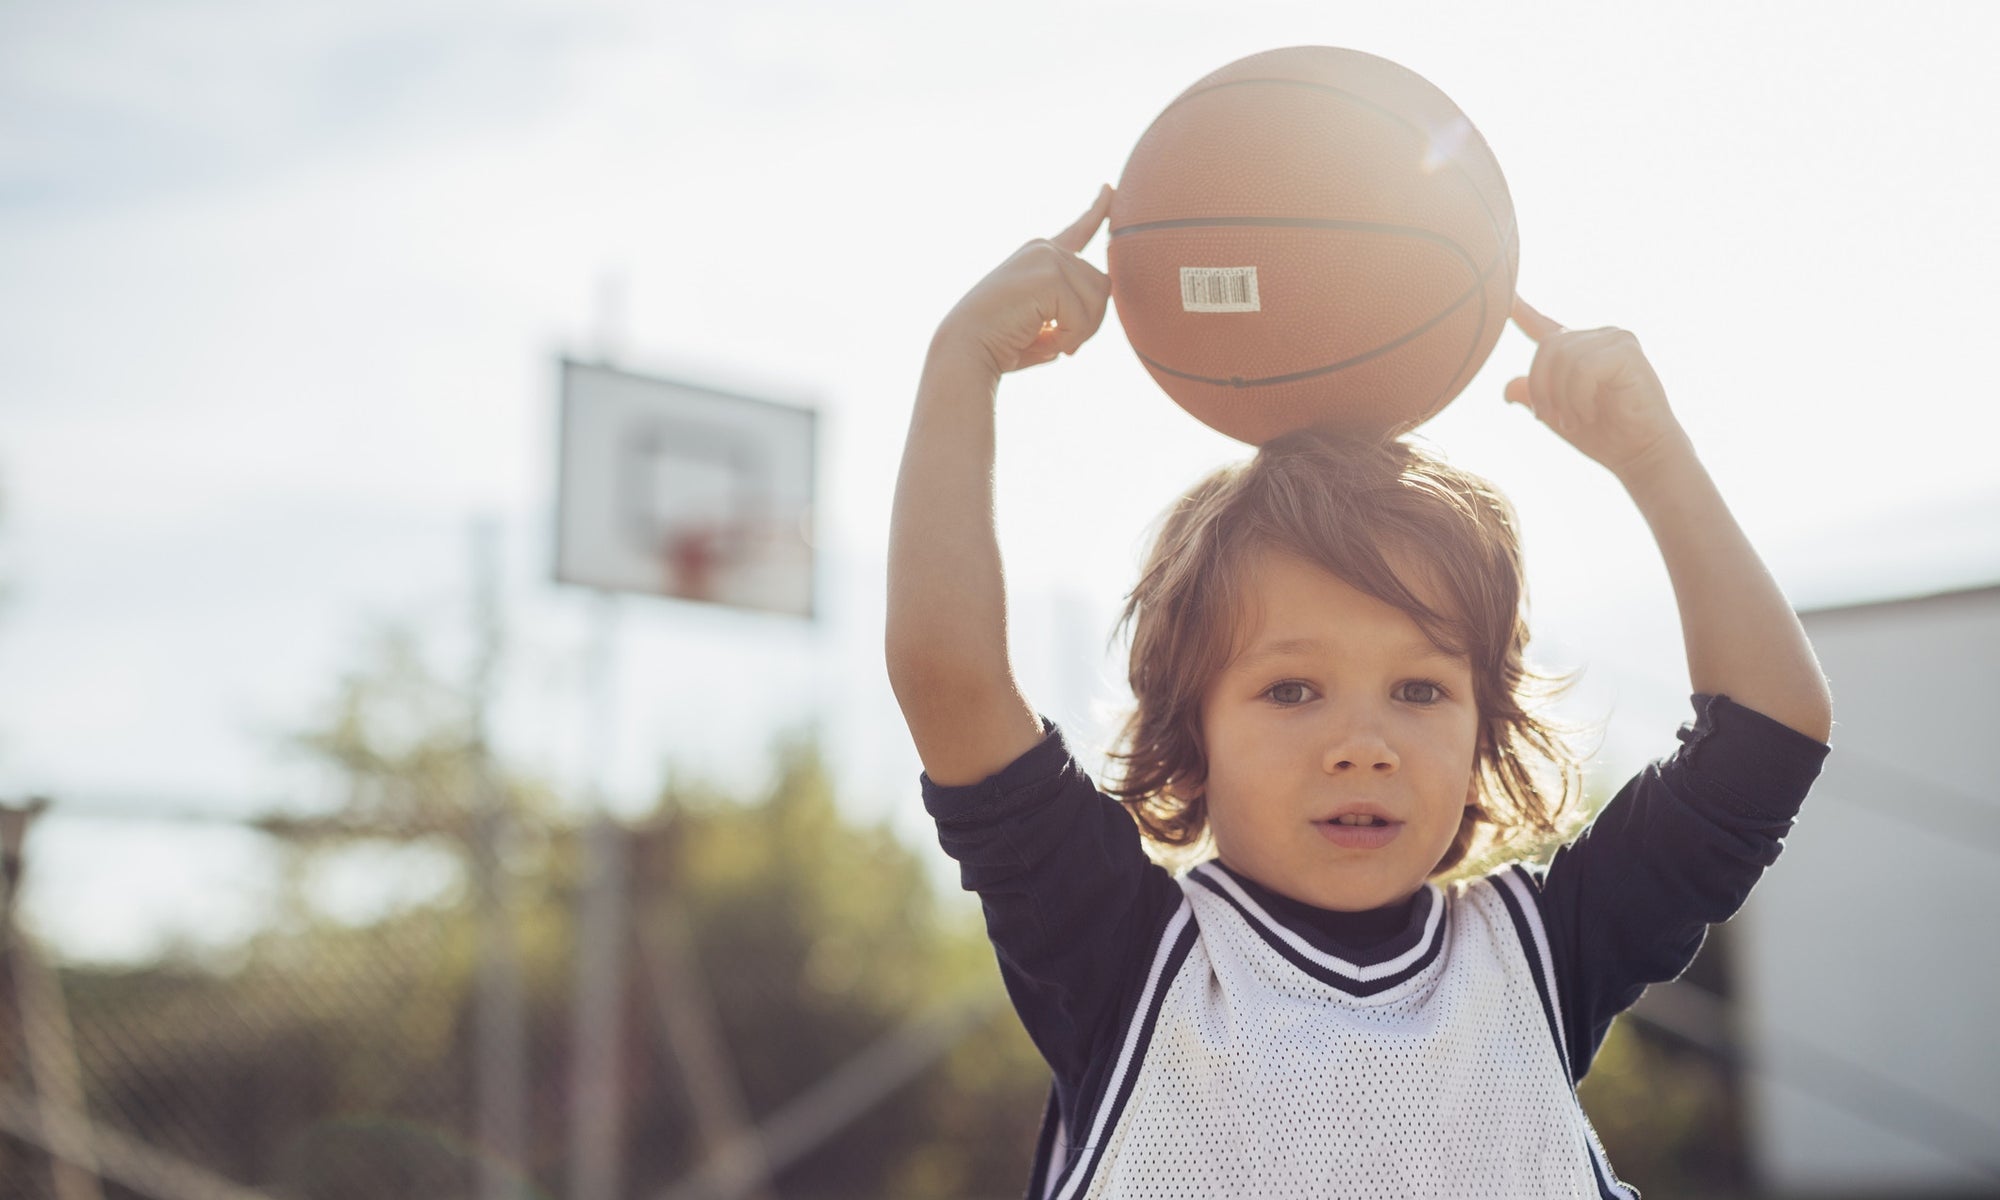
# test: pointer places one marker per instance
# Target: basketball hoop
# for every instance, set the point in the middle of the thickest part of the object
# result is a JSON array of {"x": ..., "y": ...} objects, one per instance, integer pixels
[{"x": 693, "y": 556}]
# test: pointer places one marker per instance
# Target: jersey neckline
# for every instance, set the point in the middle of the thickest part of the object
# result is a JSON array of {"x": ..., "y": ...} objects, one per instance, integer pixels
[{"x": 1365, "y": 971}]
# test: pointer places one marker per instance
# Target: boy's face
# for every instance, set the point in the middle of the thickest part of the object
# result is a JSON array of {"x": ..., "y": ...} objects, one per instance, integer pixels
[{"x": 1335, "y": 703}]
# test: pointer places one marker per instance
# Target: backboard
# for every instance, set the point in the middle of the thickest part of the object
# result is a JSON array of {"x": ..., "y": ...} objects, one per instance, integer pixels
[{"x": 673, "y": 489}]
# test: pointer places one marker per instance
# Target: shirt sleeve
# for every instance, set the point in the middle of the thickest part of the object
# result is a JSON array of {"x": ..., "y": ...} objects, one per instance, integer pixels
[
  {"x": 1072, "y": 903},
  {"x": 1628, "y": 902}
]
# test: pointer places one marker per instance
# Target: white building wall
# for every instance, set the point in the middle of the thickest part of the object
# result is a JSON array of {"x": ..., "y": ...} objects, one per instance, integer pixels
[{"x": 1869, "y": 957}]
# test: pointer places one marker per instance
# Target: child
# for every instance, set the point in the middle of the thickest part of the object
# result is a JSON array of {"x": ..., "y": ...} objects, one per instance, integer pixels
[{"x": 1326, "y": 660}]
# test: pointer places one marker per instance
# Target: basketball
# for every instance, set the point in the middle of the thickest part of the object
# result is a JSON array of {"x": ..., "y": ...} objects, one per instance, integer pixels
[{"x": 1312, "y": 237}]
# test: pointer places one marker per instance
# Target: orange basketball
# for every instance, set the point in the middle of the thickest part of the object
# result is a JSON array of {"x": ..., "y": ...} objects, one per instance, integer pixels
[{"x": 1312, "y": 237}]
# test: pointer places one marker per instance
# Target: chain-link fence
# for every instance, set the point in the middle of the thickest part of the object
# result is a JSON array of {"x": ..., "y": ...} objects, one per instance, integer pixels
[{"x": 714, "y": 1002}]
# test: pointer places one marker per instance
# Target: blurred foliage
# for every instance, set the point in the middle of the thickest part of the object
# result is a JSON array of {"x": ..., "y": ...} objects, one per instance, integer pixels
[
  {"x": 1668, "y": 1115},
  {"x": 399, "y": 743},
  {"x": 330, "y": 1058}
]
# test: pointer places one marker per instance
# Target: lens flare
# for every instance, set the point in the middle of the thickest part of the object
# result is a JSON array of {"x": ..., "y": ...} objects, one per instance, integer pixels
[{"x": 1445, "y": 143}]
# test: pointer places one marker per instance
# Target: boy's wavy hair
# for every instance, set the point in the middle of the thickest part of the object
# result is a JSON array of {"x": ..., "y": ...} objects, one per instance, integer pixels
[{"x": 1357, "y": 508}]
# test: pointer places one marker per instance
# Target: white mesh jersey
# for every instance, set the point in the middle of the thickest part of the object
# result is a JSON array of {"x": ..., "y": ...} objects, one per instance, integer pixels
[{"x": 1256, "y": 1064}]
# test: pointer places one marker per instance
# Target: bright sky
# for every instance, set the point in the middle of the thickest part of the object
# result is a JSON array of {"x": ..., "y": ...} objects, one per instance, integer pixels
[{"x": 283, "y": 290}]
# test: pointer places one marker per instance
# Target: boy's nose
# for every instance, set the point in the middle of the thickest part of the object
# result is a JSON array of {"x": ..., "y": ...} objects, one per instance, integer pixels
[{"x": 1359, "y": 746}]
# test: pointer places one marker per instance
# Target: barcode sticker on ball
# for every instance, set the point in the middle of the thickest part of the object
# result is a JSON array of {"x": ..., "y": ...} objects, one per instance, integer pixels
[{"x": 1219, "y": 289}]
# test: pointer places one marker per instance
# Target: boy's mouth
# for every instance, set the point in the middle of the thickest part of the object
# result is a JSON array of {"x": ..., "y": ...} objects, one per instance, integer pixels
[{"x": 1359, "y": 831}]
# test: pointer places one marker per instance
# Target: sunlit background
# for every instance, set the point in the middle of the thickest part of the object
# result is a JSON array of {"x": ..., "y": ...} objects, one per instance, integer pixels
[{"x": 283, "y": 289}]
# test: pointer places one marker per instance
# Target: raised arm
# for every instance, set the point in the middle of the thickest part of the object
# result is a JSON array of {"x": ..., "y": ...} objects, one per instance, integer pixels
[
  {"x": 1596, "y": 389},
  {"x": 947, "y": 610}
]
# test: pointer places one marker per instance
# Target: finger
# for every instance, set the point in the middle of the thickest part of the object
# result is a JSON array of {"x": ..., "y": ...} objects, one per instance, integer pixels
[
  {"x": 1538, "y": 327},
  {"x": 1560, "y": 372},
  {"x": 1582, "y": 375},
  {"x": 1071, "y": 323},
  {"x": 1544, "y": 409},
  {"x": 1544, "y": 375},
  {"x": 1080, "y": 295},
  {"x": 1048, "y": 343},
  {"x": 1085, "y": 278},
  {"x": 1092, "y": 288},
  {"x": 1035, "y": 356},
  {"x": 1596, "y": 369},
  {"x": 1516, "y": 392},
  {"x": 1078, "y": 235}
]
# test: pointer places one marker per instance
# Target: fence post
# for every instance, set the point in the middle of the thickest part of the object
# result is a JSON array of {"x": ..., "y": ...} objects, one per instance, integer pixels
[
  {"x": 45, "y": 1031},
  {"x": 500, "y": 1012},
  {"x": 596, "y": 1092}
]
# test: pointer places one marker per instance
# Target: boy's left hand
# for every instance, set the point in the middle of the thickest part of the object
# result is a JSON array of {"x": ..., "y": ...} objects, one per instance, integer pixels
[{"x": 1596, "y": 389}]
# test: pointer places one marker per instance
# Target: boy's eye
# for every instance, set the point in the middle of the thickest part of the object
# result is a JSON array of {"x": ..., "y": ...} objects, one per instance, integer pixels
[
  {"x": 1289, "y": 692},
  {"x": 1420, "y": 691}
]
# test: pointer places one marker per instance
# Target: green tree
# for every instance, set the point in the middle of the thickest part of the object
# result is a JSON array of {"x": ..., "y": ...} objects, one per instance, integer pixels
[{"x": 821, "y": 936}]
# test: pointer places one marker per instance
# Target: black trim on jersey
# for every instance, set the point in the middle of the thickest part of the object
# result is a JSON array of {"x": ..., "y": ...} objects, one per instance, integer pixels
[
  {"x": 1609, "y": 1187},
  {"x": 1329, "y": 976},
  {"x": 1089, "y": 1154},
  {"x": 1077, "y": 1100},
  {"x": 1335, "y": 933},
  {"x": 1544, "y": 988}
]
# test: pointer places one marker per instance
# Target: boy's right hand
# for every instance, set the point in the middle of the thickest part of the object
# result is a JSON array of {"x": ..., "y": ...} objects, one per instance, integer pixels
[{"x": 1044, "y": 301}]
